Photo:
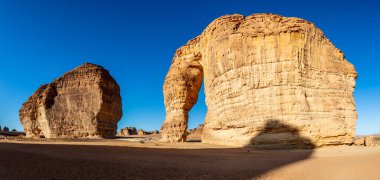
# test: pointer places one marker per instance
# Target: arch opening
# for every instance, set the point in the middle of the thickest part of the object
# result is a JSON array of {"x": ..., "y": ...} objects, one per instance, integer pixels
[{"x": 197, "y": 117}]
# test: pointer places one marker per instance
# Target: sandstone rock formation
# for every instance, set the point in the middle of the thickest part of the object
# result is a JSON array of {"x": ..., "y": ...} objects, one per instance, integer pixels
[
  {"x": 369, "y": 141},
  {"x": 5, "y": 129},
  {"x": 359, "y": 141},
  {"x": 140, "y": 132},
  {"x": 84, "y": 102},
  {"x": 259, "y": 69},
  {"x": 127, "y": 131},
  {"x": 152, "y": 132}
]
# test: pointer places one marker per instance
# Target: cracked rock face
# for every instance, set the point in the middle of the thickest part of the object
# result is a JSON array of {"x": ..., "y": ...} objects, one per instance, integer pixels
[
  {"x": 84, "y": 103},
  {"x": 257, "y": 70}
]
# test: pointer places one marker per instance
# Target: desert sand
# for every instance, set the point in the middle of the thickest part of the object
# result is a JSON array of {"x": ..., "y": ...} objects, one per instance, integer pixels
[{"x": 116, "y": 159}]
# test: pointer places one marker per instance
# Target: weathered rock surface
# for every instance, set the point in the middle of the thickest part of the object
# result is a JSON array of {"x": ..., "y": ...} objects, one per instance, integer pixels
[
  {"x": 260, "y": 69},
  {"x": 127, "y": 131},
  {"x": 84, "y": 102}
]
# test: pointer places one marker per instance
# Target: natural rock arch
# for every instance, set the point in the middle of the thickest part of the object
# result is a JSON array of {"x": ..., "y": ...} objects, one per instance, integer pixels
[{"x": 257, "y": 69}]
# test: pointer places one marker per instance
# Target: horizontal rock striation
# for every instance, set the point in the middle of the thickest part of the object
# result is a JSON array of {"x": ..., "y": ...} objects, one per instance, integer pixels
[
  {"x": 257, "y": 70},
  {"x": 84, "y": 102}
]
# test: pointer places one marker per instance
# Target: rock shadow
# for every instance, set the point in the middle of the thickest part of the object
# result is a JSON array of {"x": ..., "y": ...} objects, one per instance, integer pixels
[
  {"x": 65, "y": 161},
  {"x": 277, "y": 135}
]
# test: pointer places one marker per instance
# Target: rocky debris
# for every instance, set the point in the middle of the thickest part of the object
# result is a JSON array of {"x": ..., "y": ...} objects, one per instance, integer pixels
[
  {"x": 140, "y": 132},
  {"x": 127, "y": 131},
  {"x": 259, "y": 69},
  {"x": 83, "y": 103}
]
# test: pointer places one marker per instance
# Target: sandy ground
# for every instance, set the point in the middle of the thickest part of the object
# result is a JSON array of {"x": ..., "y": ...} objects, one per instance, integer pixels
[{"x": 116, "y": 159}]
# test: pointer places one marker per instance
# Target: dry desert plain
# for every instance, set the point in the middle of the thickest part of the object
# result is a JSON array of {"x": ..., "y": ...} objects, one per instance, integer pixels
[{"x": 135, "y": 159}]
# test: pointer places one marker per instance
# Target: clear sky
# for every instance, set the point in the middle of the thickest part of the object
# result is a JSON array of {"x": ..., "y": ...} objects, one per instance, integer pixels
[{"x": 135, "y": 40}]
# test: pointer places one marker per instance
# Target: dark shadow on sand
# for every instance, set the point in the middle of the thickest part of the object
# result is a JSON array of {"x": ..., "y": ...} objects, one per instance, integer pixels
[
  {"x": 47, "y": 161},
  {"x": 276, "y": 135}
]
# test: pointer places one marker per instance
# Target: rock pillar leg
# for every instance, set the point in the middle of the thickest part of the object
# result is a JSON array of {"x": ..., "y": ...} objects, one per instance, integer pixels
[{"x": 181, "y": 89}]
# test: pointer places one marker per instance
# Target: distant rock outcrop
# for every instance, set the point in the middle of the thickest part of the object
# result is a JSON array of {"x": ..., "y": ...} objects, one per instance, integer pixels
[
  {"x": 260, "y": 69},
  {"x": 84, "y": 102},
  {"x": 132, "y": 131},
  {"x": 127, "y": 131},
  {"x": 152, "y": 132},
  {"x": 5, "y": 129},
  {"x": 140, "y": 132},
  {"x": 197, "y": 130}
]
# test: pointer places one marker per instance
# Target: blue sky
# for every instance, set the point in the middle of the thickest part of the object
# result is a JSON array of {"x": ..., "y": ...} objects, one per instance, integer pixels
[{"x": 136, "y": 40}]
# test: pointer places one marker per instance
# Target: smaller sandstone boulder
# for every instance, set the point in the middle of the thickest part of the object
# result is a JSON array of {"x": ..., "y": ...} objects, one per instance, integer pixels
[
  {"x": 140, "y": 132},
  {"x": 369, "y": 141},
  {"x": 359, "y": 141}
]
